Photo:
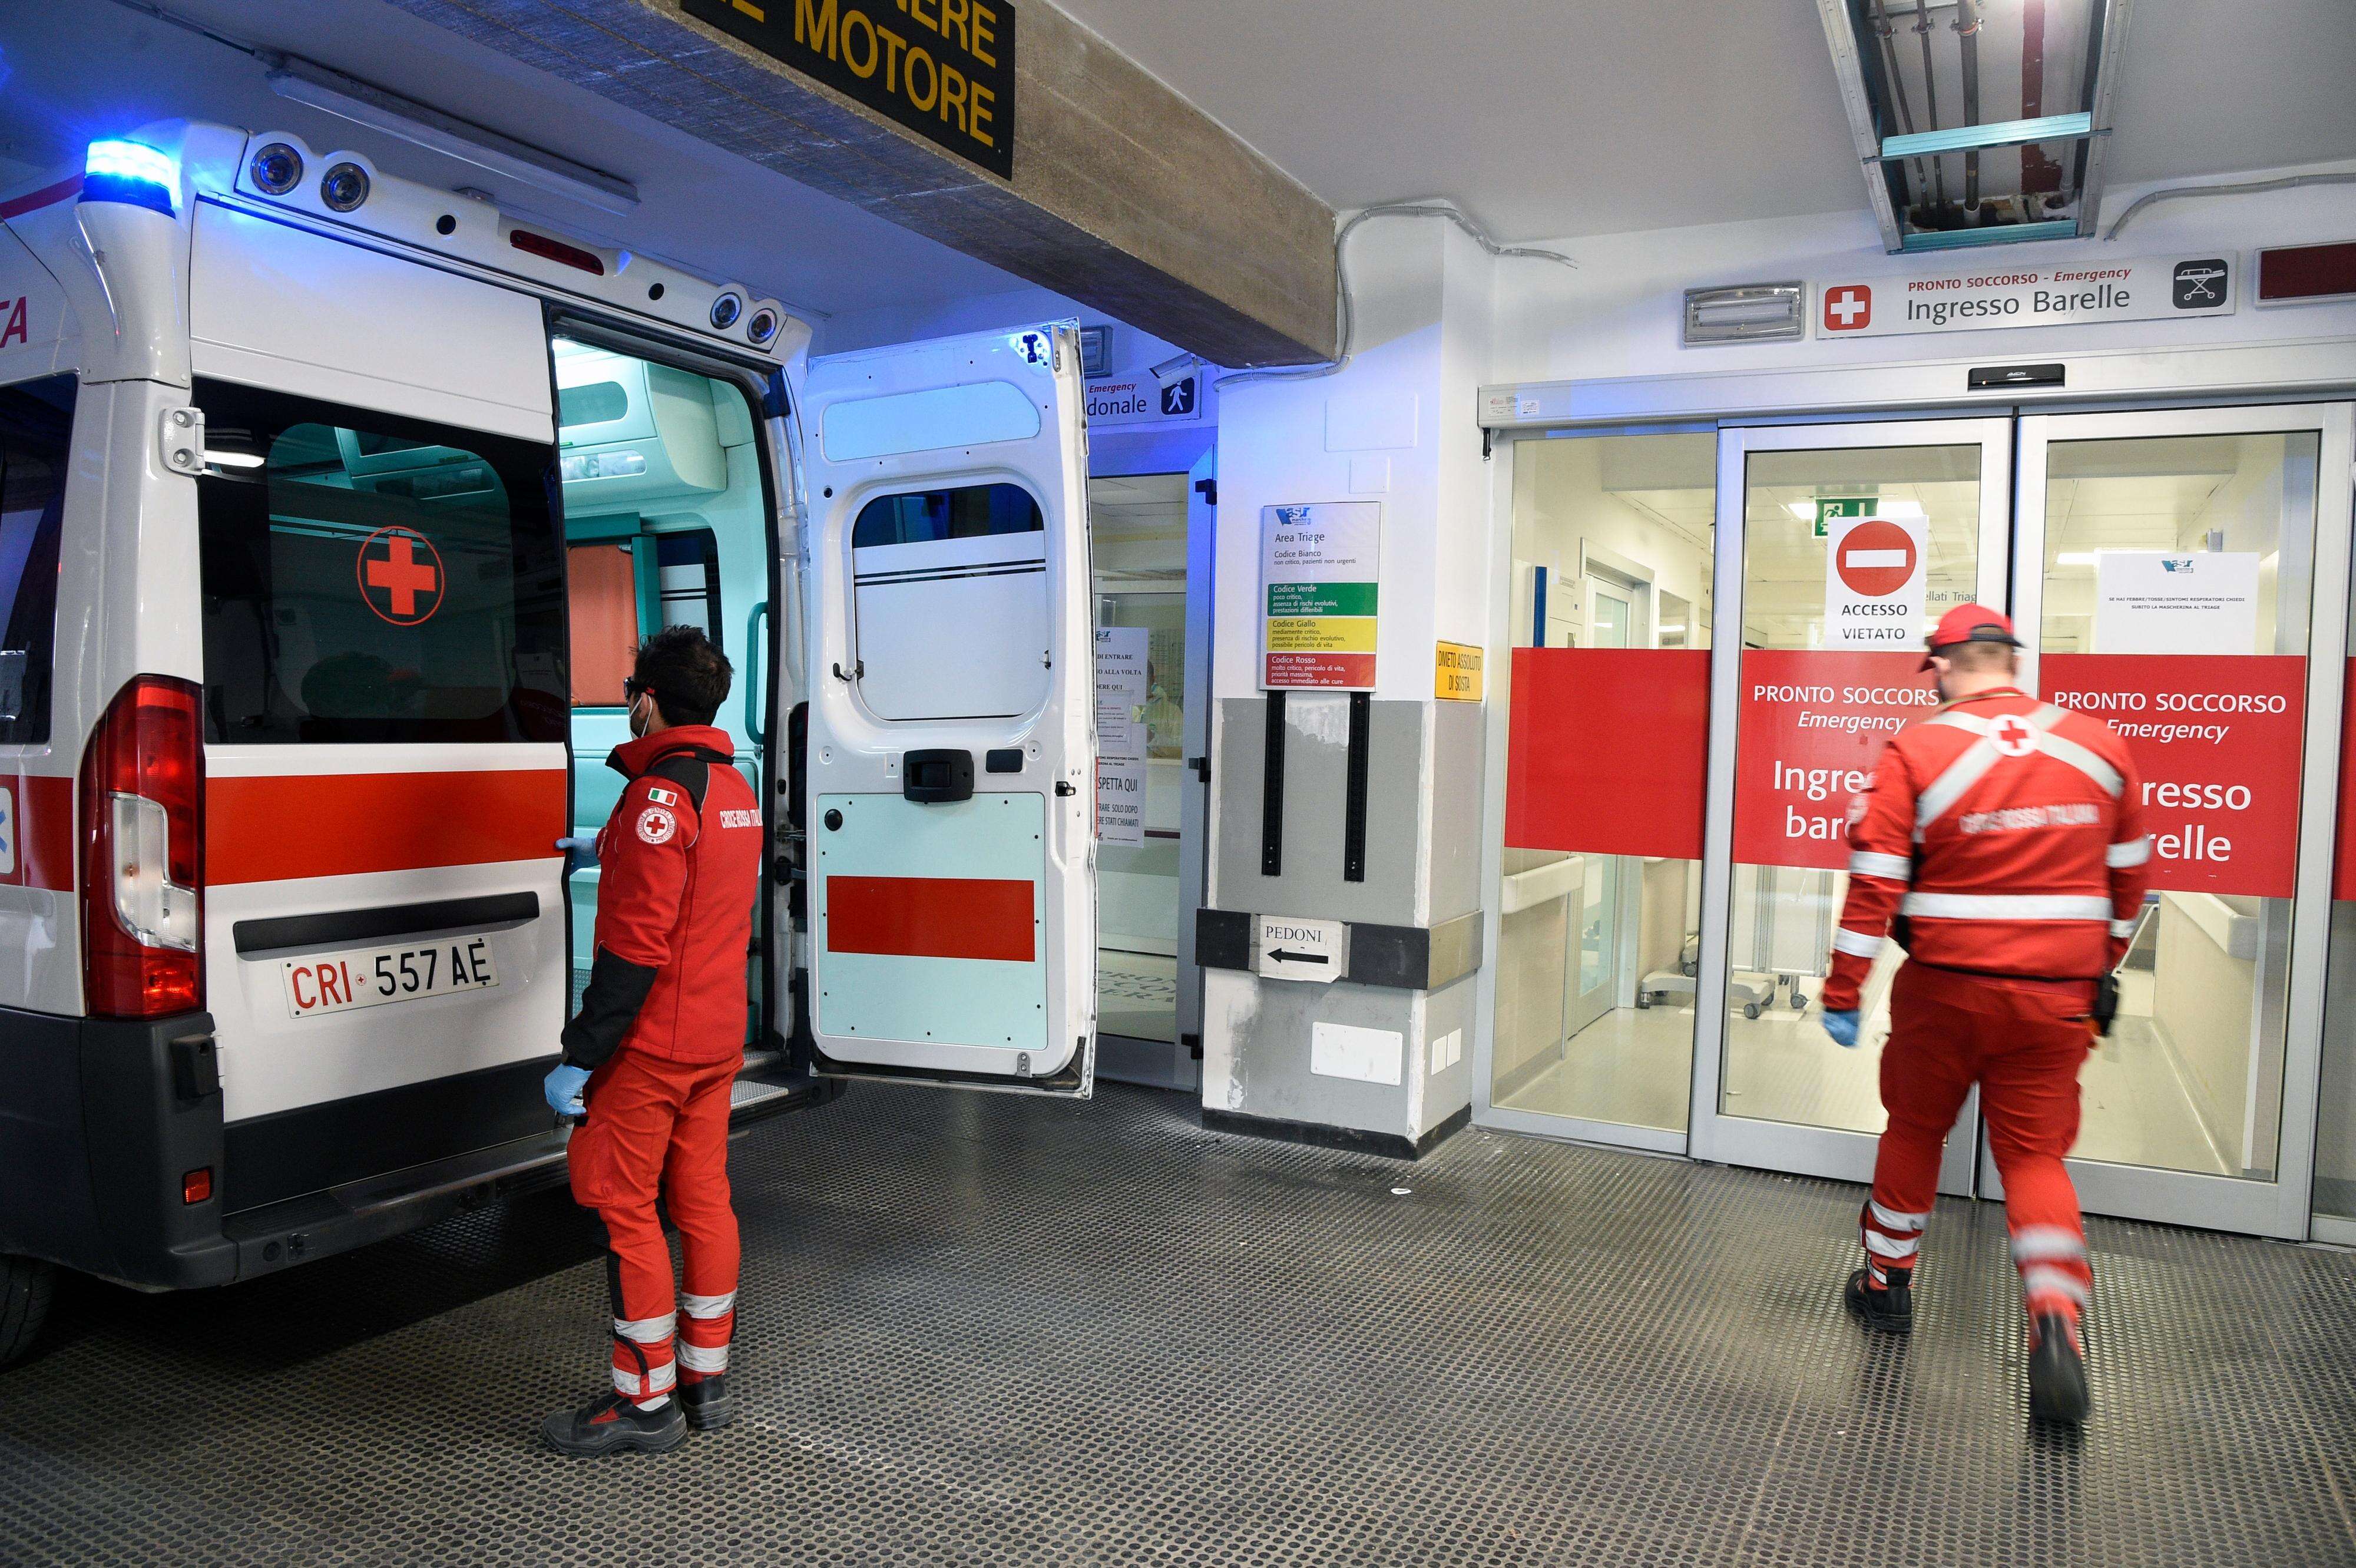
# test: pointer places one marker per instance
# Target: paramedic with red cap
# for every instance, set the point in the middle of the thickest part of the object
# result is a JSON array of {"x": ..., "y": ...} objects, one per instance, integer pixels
[
  {"x": 655, "y": 1049},
  {"x": 2005, "y": 837}
]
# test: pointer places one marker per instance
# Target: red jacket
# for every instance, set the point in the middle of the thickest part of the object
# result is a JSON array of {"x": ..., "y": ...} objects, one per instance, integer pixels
[
  {"x": 678, "y": 873},
  {"x": 2006, "y": 835}
]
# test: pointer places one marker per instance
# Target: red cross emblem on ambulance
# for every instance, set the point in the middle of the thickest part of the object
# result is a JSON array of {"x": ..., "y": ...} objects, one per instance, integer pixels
[
  {"x": 400, "y": 575},
  {"x": 1848, "y": 307}
]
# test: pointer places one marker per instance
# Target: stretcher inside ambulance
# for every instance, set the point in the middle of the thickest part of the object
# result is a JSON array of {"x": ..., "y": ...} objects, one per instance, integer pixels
[{"x": 332, "y": 506}]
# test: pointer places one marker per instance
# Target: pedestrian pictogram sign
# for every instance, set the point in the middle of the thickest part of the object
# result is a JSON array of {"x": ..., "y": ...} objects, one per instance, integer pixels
[{"x": 400, "y": 575}]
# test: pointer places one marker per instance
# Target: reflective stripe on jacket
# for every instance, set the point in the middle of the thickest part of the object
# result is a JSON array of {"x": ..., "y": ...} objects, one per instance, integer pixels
[{"x": 2006, "y": 835}]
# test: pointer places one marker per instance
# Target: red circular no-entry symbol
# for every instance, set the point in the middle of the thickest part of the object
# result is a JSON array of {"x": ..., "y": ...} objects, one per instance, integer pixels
[
  {"x": 1875, "y": 558},
  {"x": 400, "y": 575}
]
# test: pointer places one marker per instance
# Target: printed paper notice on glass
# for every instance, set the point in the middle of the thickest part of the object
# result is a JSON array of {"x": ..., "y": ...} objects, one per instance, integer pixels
[
  {"x": 1120, "y": 734},
  {"x": 1319, "y": 585},
  {"x": 2148, "y": 601}
]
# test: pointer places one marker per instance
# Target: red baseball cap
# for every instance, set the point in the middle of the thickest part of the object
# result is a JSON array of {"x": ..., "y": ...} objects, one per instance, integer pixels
[{"x": 1970, "y": 623}]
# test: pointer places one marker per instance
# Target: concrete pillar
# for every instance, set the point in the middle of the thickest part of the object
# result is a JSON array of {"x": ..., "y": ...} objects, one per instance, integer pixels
[{"x": 1396, "y": 426}]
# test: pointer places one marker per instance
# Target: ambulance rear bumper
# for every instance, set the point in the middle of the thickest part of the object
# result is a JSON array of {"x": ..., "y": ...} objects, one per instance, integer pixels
[{"x": 102, "y": 1124}]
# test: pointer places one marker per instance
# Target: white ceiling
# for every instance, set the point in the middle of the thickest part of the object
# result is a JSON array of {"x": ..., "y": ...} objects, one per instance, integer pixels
[
  {"x": 72, "y": 71},
  {"x": 1545, "y": 117},
  {"x": 1568, "y": 117}
]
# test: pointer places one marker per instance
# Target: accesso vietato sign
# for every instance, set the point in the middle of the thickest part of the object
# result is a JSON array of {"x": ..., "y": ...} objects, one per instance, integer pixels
[{"x": 945, "y": 69}]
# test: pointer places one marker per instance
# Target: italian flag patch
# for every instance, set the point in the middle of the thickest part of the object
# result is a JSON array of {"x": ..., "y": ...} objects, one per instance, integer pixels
[{"x": 660, "y": 796}]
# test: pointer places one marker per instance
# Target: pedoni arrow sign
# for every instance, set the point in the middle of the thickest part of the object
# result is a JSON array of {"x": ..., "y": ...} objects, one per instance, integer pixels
[{"x": 1291, "y": 946}]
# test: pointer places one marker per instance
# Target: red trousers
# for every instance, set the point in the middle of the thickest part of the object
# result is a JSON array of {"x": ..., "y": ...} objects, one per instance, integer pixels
[
  {"x": 660, "y": 1128},
  {"x": 2022, "y": 1042}
]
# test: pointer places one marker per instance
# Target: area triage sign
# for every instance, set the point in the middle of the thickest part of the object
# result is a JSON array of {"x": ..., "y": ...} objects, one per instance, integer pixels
[{"x": 1317, "y": 572}]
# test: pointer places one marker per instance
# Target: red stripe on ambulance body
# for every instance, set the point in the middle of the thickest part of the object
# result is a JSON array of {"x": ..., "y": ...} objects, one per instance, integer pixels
[
  {"x": 41, "y": 824},
  {"x": 343, "y": 824},
  {"x": 932, "y": 917},
  {"x": 32, "y": 200}
]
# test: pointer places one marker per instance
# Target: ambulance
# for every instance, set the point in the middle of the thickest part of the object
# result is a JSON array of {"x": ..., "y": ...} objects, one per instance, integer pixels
[{"x": 331, "y": 508}]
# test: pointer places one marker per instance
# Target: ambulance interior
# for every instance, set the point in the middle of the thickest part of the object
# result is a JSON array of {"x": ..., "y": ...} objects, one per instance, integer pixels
[
  {"x": 665, "y": 524},
  {"x": 1613, "y": 548}
]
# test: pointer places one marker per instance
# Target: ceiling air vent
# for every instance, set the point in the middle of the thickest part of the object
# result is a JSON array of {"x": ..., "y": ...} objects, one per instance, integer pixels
[{"x": 1979, "y": 121}]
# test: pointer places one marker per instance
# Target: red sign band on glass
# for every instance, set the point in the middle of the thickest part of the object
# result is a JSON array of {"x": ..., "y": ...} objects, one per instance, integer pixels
[
  {"x": 1608, "y": 750},
  {"x": 1812, "y": 721},
  {"x": 2216, "y": 738}
]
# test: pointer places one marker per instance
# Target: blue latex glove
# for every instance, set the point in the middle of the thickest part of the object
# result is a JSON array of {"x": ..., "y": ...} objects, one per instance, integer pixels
[
  {"x": 1842, "y": 1027},
  {"x": 579, "y": 854},
  {"x": 562, "y": 1087}
]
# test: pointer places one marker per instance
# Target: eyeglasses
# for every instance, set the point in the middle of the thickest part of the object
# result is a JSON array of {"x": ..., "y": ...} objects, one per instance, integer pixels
[{"x": 632, "y": 691}]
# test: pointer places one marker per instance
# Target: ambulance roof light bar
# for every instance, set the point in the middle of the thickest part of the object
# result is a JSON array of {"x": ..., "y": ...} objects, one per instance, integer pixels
[
  {"x": 132, "y": 173},
  {"x": 347, "y": 98}
]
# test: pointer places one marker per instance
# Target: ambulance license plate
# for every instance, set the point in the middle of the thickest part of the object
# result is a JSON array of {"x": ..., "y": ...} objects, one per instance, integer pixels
[{"x": 372, "y": 977}]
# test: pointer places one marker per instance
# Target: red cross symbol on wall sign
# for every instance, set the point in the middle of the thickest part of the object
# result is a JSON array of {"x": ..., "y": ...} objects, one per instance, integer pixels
[
  {"x": 1849, "y": 308},
  {"x": 400, "y": 575}
]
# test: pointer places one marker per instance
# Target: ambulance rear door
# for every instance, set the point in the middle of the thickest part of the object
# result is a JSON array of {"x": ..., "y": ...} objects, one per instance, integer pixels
[
  {"x": 375, "y": 568},
  {"x": 951, "y": 853}
]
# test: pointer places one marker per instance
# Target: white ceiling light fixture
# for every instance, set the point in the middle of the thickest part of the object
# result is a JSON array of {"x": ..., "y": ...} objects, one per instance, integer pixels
[
  {"x": 347, "y": 98},
  {"x": 1745, "y": 313}
]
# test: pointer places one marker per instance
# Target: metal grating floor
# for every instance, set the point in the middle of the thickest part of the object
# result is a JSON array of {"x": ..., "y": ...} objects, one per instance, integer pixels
[{"x": 984, "y": 1330}]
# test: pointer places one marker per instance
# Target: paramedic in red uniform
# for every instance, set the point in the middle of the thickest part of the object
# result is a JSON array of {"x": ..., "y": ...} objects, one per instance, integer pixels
[
  {"x": 655, "y": 1051},
  {"x": 2005, "y": 835}
]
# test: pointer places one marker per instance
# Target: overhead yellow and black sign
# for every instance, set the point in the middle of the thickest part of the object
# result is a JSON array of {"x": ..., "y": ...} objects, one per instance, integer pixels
[{"x": 945, "y": 69}]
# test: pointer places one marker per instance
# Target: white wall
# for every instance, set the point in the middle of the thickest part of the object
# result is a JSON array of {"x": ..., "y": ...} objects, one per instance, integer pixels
[
  {"x": 1422, "y": 347},
  {"x": 1620, "y": 315}
]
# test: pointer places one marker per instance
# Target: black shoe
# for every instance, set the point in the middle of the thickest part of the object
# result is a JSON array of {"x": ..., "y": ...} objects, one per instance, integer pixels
[
  {"x": 612, "y": 1424},
  {"x": 2057, "y": 1371},
  {"x": 707, "y": 1404},
  {"x": 1891, "y": 1309}
]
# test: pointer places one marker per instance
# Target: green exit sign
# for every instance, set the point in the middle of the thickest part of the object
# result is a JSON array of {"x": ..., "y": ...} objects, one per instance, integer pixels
[{"x": 1846, "y": 506}]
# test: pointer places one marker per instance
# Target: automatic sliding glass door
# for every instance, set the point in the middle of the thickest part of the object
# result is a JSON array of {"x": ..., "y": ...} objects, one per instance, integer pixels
[
  {"x": 2171, "y": 578},
  {"x": 1839, "y": 544}
]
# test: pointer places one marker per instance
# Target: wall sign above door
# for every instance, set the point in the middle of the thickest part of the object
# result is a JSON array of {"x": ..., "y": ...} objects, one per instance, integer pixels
[
  {"x": 2067, "y": 293},
  {"x": 945, "y": 69}
]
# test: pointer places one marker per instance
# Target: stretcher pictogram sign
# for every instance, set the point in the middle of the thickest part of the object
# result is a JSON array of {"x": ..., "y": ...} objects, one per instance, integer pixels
[{"x": 400, "y": 575}]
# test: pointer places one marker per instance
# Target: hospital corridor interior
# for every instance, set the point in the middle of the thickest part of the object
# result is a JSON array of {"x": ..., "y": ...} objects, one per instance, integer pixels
[{"x": 1253, "y": 784}]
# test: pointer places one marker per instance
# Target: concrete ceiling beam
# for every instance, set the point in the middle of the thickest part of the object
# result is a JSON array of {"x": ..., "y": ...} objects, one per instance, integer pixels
[{"x": 1125, "y": 196}]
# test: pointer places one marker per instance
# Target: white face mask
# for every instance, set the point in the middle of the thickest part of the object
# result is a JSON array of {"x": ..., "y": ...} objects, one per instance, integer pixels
[{"x": 641, "y": 714}]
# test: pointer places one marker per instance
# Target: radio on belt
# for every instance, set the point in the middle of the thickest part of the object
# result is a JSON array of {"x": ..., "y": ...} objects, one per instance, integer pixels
[{"x": 1291, "y": 946}]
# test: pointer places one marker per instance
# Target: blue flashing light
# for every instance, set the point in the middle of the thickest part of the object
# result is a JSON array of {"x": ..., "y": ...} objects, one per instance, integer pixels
[{"x": 132, "y": 173}]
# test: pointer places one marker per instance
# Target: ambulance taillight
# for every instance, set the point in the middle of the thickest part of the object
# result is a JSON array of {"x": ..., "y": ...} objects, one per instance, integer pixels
[{"x": 143, "y": 864}]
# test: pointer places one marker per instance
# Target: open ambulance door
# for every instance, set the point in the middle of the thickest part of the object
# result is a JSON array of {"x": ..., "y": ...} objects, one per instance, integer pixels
[{"x": 950, "y": 854}]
